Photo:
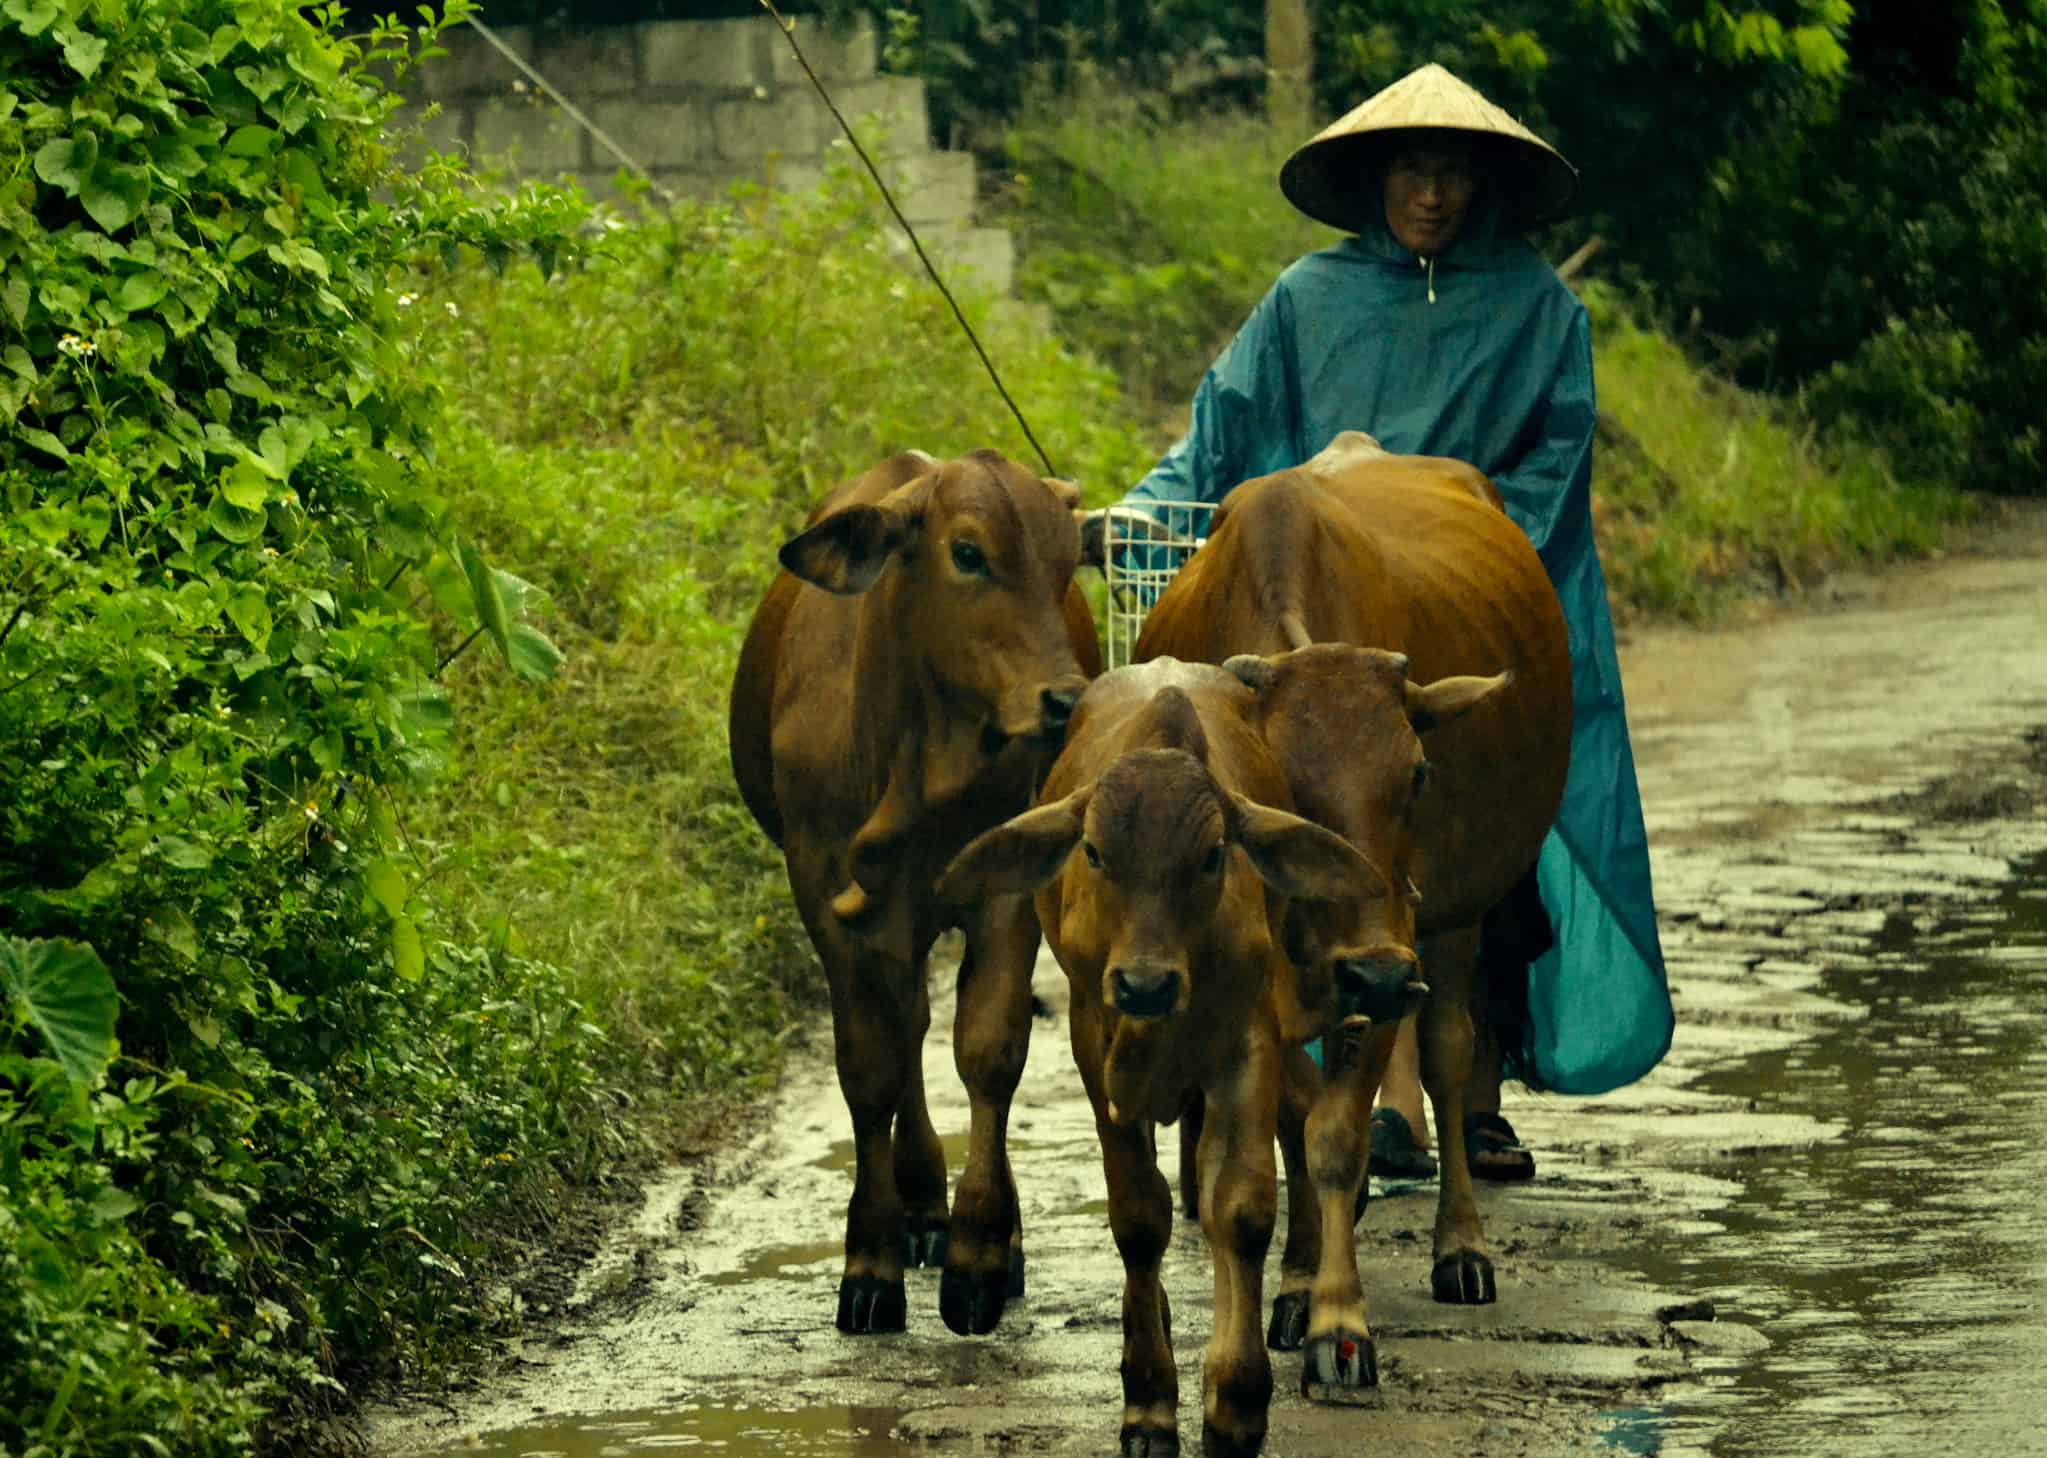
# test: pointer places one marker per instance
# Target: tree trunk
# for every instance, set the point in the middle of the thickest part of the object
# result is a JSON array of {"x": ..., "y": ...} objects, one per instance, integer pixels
[{"x": 1289, "y": 63}]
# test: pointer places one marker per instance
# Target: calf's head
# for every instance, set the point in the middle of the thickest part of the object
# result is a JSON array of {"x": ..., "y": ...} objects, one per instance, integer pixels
[
  {"x": 1347, "y": 725},
  {"x": 982, "y": 553},
  {"x": 1159, "y": 869}
]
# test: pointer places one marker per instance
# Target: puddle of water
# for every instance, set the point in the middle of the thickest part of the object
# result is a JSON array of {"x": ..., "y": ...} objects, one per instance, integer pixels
[
  {"x": 784, "y": 1263},
  {"x": 737, "y": 1432},
  {"x": 1897, "y": 1268},
  {"x": 840, "y": 1155}
]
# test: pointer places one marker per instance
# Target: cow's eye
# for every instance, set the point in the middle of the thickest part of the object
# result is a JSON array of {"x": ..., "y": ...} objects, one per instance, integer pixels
[
  {"x": 1421, "y": 776},
  {"x": 1213, "y": 861},
  {"x": 969, "y": 558},
  {"x": 1094, "y": 857}
]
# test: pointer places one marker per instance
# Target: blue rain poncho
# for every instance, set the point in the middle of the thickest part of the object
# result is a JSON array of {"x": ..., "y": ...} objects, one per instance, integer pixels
[{"x": 1485, "y": 356}]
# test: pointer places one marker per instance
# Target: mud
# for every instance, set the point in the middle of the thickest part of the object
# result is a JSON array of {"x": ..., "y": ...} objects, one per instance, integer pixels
[{"x": 1770, "y": 1242}]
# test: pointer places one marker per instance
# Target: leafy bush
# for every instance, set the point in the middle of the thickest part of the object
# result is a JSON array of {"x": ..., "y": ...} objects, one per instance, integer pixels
[
  {"x": 1908, "y": 391},
  {"x": 213, "y": 684}
]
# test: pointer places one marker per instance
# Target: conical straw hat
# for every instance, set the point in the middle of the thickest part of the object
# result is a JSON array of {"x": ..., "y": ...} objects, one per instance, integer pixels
[{"x": 1335, "y": 178}]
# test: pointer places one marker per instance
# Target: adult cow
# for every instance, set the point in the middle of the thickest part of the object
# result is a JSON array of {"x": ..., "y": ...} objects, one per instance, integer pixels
[
  {"x": 1164, "y": 858},
  {"x": 903, "y": 683},
  {"x": 1408, "y": 556}
]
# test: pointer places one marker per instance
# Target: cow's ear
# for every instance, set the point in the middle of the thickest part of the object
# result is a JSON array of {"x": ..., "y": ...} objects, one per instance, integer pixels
[
  {"x": 1066, "y": 493},
  {"x": 846, "y": 551},
  {"x": 1254, "y": 672},
  {"x": 1299, "y": 858},
  {"x": 1020, "y": 855},
  {"x": 1431, "y": 705}
]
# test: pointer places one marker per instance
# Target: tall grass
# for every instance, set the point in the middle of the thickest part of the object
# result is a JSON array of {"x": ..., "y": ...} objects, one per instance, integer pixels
[
  {"x": 1708, "y": 497},
  {"x": 1150, "y": 236}
]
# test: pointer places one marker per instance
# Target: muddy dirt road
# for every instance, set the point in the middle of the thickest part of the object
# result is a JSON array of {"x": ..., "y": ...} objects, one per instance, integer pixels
[{"x": 1813, "y": 1229}]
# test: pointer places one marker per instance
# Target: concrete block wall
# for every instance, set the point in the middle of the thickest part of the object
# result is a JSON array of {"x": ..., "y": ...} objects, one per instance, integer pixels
[{"x": 699, "y": 105}]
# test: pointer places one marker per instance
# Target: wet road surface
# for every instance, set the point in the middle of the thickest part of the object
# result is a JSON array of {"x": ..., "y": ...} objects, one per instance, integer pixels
[{"x": 1813, "y": 1229}]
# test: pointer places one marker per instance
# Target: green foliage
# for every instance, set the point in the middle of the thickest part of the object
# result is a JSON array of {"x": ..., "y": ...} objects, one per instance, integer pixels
[
  {"x": 1147, "y": 272},
  {"x": 214, "y": 681},
  {"x": 795, "y": 329},
  {"x": 65, "y": 993},
  {"x": 1706, "y": 496},
  {"x": 1887, "y": 255}
]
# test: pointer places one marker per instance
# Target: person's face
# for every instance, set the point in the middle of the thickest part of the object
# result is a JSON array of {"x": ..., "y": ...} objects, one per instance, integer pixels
[{"x": 1428, "y": 191}]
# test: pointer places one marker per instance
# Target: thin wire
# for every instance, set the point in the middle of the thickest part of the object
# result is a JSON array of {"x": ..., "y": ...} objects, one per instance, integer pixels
[
  {"x": 788, "y": 28},
  {"x": 568, "y": 106}
]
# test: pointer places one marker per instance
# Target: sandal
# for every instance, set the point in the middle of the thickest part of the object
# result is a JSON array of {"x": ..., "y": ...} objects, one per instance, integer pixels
[
  {"x": 1396, "y": 1155},
  {"x": 1492, "y": 1151}
]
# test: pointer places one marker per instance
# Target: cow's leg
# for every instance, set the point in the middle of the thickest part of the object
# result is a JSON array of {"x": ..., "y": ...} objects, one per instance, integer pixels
[
  {"x": 872, "y": 1019},
  {"x": 919, "y": 1157},
  {"x": 984, "y": 1266},
  {"x": 1191, "y": 1120},
  {"x": 1239, "y": 1203},
  {"x": 874, "y": 1000},
  {"x": 1339, "y": 1355},
  {"x": 1300, "y": 1086},
  {"x": 1141, "y": 1219},
  {"x": 1462, "y": 1272}
]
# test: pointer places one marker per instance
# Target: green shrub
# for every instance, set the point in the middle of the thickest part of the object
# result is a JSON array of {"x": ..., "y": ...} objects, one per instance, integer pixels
[
  {"x": 1908, "y": 391},
  {"x": 215, "y": 686}
]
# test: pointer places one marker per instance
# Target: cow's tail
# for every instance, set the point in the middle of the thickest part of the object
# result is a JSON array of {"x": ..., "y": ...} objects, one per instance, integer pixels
[
  {"x": 1279, "y": 532},
  {"x": 1514, "y": 934}
]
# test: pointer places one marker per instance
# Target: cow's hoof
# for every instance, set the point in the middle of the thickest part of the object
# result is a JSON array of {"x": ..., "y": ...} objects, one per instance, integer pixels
[
  {"x": 1215, "y": 1443},
  {"x": 1148, "y": 1442},
  {"x": 926, "y": 1242},
  {"x": 1463, "y": 1280},
  {"x": 869, "y": 1304},
  {"x": 1289, "y": 1326},
  {"x": 1340, "y": 1367},
  {"x": 971, "y": 1301}
]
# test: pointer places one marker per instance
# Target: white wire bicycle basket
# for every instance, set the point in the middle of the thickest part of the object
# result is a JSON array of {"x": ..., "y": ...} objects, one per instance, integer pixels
[{"x": 1143, "y": 547}]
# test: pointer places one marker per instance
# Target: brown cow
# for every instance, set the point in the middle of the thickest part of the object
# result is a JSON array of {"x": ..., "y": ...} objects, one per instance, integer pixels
[
  {"x": 1410, "y": 556},
  {"x": 901, "y": 688},
  {"x": 1166, "y": 856}
]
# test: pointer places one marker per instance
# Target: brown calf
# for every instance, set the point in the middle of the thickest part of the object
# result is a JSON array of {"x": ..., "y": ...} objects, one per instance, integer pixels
[
  {"x": 1163, "y": 862},
  {"x": 903, "y": 683},
  {"x": 1411, "y": 561}
]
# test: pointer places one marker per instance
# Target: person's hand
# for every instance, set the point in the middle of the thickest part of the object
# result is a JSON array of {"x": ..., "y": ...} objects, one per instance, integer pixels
[
  {"x": 1131, "y": 524},
  {"x": 1094, "y": 538}
]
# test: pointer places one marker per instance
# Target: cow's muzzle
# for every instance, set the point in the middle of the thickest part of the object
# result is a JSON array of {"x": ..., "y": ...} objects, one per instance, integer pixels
[
  {"x": 1382, "y": 987},
  {"x": 1038, "y": 722},
  {"x": 1144, "y": 991},
  {"x": 1055, "y": 710}
]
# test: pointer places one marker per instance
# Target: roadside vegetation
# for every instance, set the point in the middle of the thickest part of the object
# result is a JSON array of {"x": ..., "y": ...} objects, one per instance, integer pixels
[{"x": 374, "y": 551}]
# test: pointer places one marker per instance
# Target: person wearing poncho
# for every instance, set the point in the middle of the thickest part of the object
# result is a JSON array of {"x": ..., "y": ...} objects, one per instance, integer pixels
[{"x": 1439, "y": 331}]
